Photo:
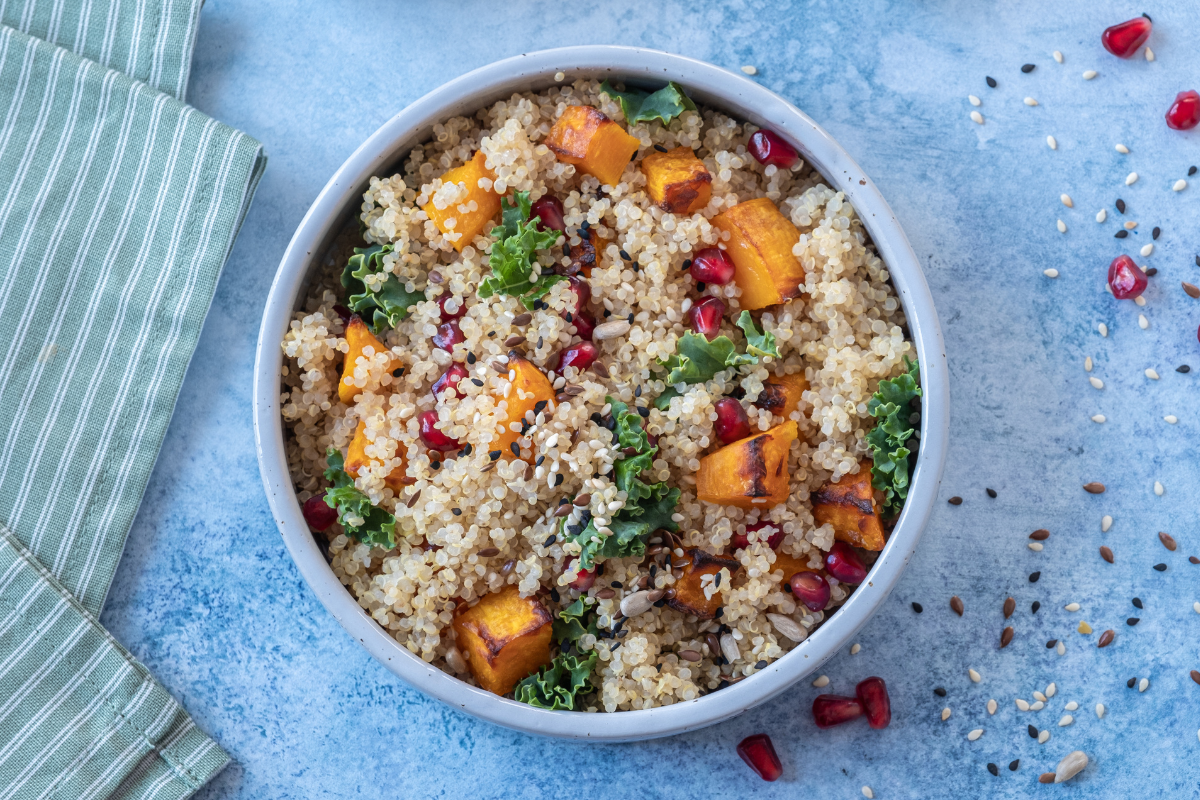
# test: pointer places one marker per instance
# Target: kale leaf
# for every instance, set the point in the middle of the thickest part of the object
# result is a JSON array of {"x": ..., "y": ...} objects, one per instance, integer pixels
[
  {"x": 889, "y": 439},
  {"x": 378, "y": 527},
  {"x": 383, "y": 307},
  {"x": 758, "y": 343},
  {"x": 666, "y": 104},
  {"x": 697, "y": 360},
  {"x": 512, "y": 257},
  {"x": 560, "y": 685},
  {"x": 573, "y": 622}
]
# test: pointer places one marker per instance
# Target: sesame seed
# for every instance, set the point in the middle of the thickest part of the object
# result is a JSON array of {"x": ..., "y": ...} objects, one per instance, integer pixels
[
  {"x": 867, "y": 793},
  {"x": 1130, "y": 225},
  {"x": 1035, "y": 547},
  {"x": 991, "y": 493},
  {"x": 1147, "y": 248},
  {"x": 991, "y": 706},
  {"x": 1098, "y": 418},
  {"x": 1052, "y": 272},
  {"x": 1143, "y": 323},
  {"x": 1131, "y": 621},
  {"x": 1154, "y": 234},
  {"x": 992, "y": 768},
  {"x": 1039, "y": 696},
  {"x": 917, "y": 607},
  {"x": 1029, "y": 101},
  {"x": 855, "y": 649},
  {"x": 1143, "y": 684},
  {"x": 1101, "y": 215},
  {"x": 1043, "y": 737},
  {"x": 974, "y": 100},
  {"x": 1096, "y": 382},
  {"x": 1105, "y": 523},
  {"x": 1033, "y": 577},
  {"x": 975, "y": 734},
  {"x": 1131, "y": 179},
  {"x": 1037, "y": 706},
  {"x": 1089, "y": 74},
  {"x": 945, "y": 714},
  {"x": 1067, "y": 201},
  {"x": 1151, "y": 374},
  {"x": 1140, "y": 300},
  {"x": 1062, "y": 226},
  {"x": 1122, "y": 149},
  {"x": 1149, "y": 54},
  {"x": 1099, "y": 710},
  {"x": 1033, "y": 609},
  {"x": 1171, "y": 419},
  {"x": 1052, "y": 142},
  {"x": 1033, "y": 732},
  {"x": 1160, "y": 567},
  {"x": 990, "y": 81},
  {"x": 939, "y": 691},
  {"x": 974, "y": 676},
  {"x": 1180, "y": 185},
  {"x": 977, "y": 117},
  {"x": 750, "y": 70},
  {"x": 1103, "y": 329},
  {"x": 1028, "y": 68},
  {"x": 821, "y": 682},
  {"x": 1072, "y": 606},
  {"x": 1058, "y": 56}
]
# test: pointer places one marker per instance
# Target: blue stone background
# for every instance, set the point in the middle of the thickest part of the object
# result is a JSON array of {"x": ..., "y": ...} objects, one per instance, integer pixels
[{"x": 208, "y": 598}]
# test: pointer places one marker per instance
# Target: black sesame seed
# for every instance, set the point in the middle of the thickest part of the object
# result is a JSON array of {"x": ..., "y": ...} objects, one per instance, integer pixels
[
  {"x": 1198, "y": 261},
  {"x": 787, "y": 587},
  {"x": 990, "y": 81},
  {"x": 1014, "y": 764},
  {"x": 1131, "y": 682},
  {"x": 917, "y": 607},
  {"x": 1137, "y": 602},
  {"x": 638, "y": 391},
  {"x": 660, "y": 148},
  {"x": 493, "y": 455},
  {"x": 1050, "y": 644},
  {"x": 625, "y": 256},
  {"x": 720, "y": 612},
  {"x": 584, "y": 227},
  {"x": 470, "y": 358},
  {"x": 1033, "y": 609},
  {"x": 569, "y": 317},
  {"x": 516, "y": 449},
  {"x": 554, "y": 595},
  {"x": 1150, "y": 273},
  {"x": 396, "y": 373},
  {"x": 466, "y": 451},
  {"x": 525, "y": 426},
  {"x": 1028, "y": 68},
  {"x": 1132, "y": 621},
  {"x": 700, "y": 286},
  {"x": 1147, "y": 16},
  {"x": 1183, "y": 369},
  {"x": 1191, "y": 170},
  {"x": 456, "y": 512},
  {"x": 940, "y": 692},
  {"x": 539, "y": 461},
  {"x": 955, "y": 501},
  {"x": 659, "y": 604},
  {"x": 596, "y": 418},
  {"x": 717, "y": 580},
  {"x": 435, "y": 465},
  {"x": 558, "y": 479},
  {"x": 1155, "y": 233},
  {"x": 630, "y": 318},
  {"x": 1161, "y": 567},
  {"x": 653, "y": 571},
  {"x": 761, "y": 665},
  {"x": 1121, "y": 234},
  {"x": 1120, "y": 205},
  {"x": 476, "y": 381},
  {"x": 992, "y": 768},
  {"x": 540, "y": 406},
  {"x": 1033, "y": 577},
  {"x": 539, "y": 344},
  {"x": 991, "y": 493},
  {"x": 645, "y": 412},
  {"x": 607, "y": 313},
  {"x": 553, "y": 538},
  {"x": 491, "y": 334},
  {"x": 1033, "y": 732},
  {"x": 687, "y": 264}
]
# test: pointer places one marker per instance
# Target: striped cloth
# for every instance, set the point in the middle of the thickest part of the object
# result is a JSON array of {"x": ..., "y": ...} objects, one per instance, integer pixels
[{"x": 120, "y": 206}]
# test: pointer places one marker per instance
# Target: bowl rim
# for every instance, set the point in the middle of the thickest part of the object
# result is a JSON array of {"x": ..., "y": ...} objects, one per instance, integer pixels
[{"x": 710, "y": 85}]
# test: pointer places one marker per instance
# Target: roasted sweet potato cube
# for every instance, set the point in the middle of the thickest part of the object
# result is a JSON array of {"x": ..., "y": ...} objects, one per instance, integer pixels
[
  {"x": 359, "y": 337},
  {"x": 689, "y": 594},
  {"x": 677, "y": 181},
  {"x": 789, "y": 565},
  {"x": 591, "y": 141},
  {"x": 504, "y": 637},
  {"x": 760, "y": 245},
  {"x": 588, "y": 254},
  {"x": 356, "y": 459},
  {"x": 750, "y": 473},
  {"x": 529, "y": 388},
  {"x": 849, "y": 506},
  {"x": 468, "y": 223},
  {"x": 781, "y": 394}
]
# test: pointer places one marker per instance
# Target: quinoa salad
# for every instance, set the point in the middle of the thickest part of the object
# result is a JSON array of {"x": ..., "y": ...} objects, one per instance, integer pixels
[{"x": 605, "y": 400}]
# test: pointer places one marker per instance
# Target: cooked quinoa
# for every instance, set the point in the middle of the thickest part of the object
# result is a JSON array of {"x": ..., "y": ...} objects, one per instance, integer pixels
[{"x": 845, "y": 333}]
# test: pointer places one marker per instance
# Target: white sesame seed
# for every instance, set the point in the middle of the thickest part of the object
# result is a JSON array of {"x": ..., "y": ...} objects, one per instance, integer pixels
[
  {"x": 1066, "y": 200},
  {"x": 977, "y": 117},
  {"x": 1037, "y": 706},
  {"x": 1122, "y": 148},
  {"x": 1101, "y": 215},
  {"x": 1043, "y": 737},
  {"x": 1098, "y": 418},
  {"x": 1139, "y": 300},
  {"x": 1131, "y": 179},
  {"x": 1071, "y": 606},
  {"x": 559, "y": 76},
  {"x": 1151, "y": 374},
  {"x": 1103, "y": 329},
  {"x": 1143, "y": 323},
  {"x": 1066, "y": 720},
  {"x": 1105, "y": 523},
  {"x": 1022, "y": 705},
  {"x": 1035, "y": 547},
  {"x": 991, "y": 706},
  {"x": 1051, "y": 690},
  {"x": 1058, "y": 56},
  {"x": 974, "y": 100},
  {"x": 1143, "y": 684},
  {"x": 867, "y": 793},
  {"x": 750, "y": 70},
  {"x": 1148, "y": 248},
  {"x": 1196, "y": 607},
  {"x": 1071, "y": 706},
  {"x": 1062, "y": 226},
  {"x": 1039, "y": 697},
  {"x": 975, "y": 734},
  {"x": 1096, "y": 382},
  {"x": 1029, "y": 101},
  {"x": 1099, "y": 710},
  {"x": 975, "y": 676},
  {"x": 1149, "y": 54},
  {"x": 1052, "y": 272},
  {"x": 854, "y": 650},
  {"x": 821, "y": 682},
  {"x": 1052, "y": 142},
  {"x": 1130, "y": 225},
  {"x": 1089, "y": 74},
  {"x": 945, "y": 713},
  {"x": 1180, "y": 185},
  {"x": 1061, "y": 649},
  {"x": 1171, "y": 419},
  {"x": 1087, "y": 364}
]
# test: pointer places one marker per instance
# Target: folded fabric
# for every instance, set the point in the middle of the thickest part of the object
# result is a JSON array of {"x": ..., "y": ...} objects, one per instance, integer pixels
[{"x": 120, "y": 207}]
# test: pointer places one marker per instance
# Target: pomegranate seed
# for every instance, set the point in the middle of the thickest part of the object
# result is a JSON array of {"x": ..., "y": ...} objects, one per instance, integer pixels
[
  {"x": 433, "y": 438},
  {"x": 449, "y": 315},
  {"x": 1124, "y": 40},
  {"x": 811, "y": 589},
  {"x": 873, "y": 695},
  {"x": 711, "y": 265},
  {"x": 550, "y": 210},
  {"x": 844, "y": 564},
  {"x": 775, "y": 535},
  {"x": 579, "y": 355},
  {"x": 759, "y": 754},
  {"x": 1185, "y": 111},
  {"x": 584, "y": 580},
  {"x": 584, "y": 324},
  {"x": 317, "y": 513},
  {"x": 449, "y": 380},
  {"x": 832, "y": 709},
  {"x": 706, "y": 317},
  {"x": 1125, "y": 278},
  {"x": 582, "y": 290},
  {"x": 448, "y": 334},
  {"x": 770, "y": 148},
  {"x": 583, "y": 321},
  {"x": 343, "y": 312},
  {"x": 732, "y": 422}
]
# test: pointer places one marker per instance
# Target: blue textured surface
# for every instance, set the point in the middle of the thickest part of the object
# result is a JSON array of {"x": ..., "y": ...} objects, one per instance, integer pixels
[{"x": 209, "y": 599}]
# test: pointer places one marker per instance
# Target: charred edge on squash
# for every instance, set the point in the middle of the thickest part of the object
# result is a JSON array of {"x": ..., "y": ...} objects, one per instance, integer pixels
[
  {"x": 772, "y": 398},
  {"x": 838, "y": 496},
  {"x": 583, "y": 256},
  {"x": 756, "y": 467},
  {"x": 494, "y": 647}
]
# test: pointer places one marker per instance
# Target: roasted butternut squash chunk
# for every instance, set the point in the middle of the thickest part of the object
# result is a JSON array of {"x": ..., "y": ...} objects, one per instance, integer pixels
[
  {"x": 591, "y": 141},
  {"x": 359, "y": 337},
  {"x": 760, "y": 245},
  {"x": 529, "y": 388},
  {"x": 356, "y": 459},
  {"x": 751, "y": 473},
  {"x": 677, "y": 181},
  {"x": 504, "y": 637},
  {"x": 781, "y": 394},
  {"x": 849, "y": 506},
  {"x": 689, "y": 594},
  {"x": 586, "y": 255},
  {"x": 789, "y": 565},
  {"x": 469, "y": 223}
]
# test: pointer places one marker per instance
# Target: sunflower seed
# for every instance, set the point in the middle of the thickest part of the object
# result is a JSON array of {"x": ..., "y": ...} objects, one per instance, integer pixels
[
  {"x": 1071, "y": 765},
  {"x": 610, "y": 330},
  {"x": 639, "y": 603},
  {"x": 788, "y": 627}
]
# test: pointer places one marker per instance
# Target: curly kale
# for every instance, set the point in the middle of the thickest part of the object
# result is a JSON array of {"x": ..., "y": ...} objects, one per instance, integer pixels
[
  {"x": 889, "y": 439},
  {"x": 512, "y": 256},
  {"x": 560, "y": 685},
  {"x": 381, "y": 307},
  {"x": 665, "y": 105},
  {"x": 377, "y": 527},
  {"x": 698, "y": 360}
]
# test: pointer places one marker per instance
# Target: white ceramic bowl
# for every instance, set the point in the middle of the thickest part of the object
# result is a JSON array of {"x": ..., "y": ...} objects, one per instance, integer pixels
[{"x": 708, "y": 85}]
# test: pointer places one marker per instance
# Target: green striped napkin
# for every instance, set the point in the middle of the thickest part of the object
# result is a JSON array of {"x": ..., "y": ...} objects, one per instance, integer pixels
[{"x": 119, "y": 208}]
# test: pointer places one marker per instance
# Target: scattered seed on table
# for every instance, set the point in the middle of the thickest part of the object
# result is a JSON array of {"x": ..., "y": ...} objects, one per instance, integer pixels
[
  {"x": 1195, "y": 675},
  {"x": 1029, "y": 101},
  {"x": 1098, "y": 419},
  {"x": 1191, "y": 170},
  {"x": 1158, "y": 489},
  {"x": 1028, "y": 68},
  {"x": 945, "y": 713},
  {"x": 1072, "y": 763},
  {"x": 956, "y": 605},
  {"x": 855, "y": 649},
  {"x": 990, "y": 81},
  {"x": 1120, "y": 204},
  {"x": 991, "y": 706},
  {"x": 939, "y": 691},
  {"x": 1100, "y": 710},
  {"x": 1084, "y": 628},
  {"x": 974, "y": 676},
  {"x": 1103, "y": 329},
  {"x": 955, "y": 501},
  {"x": 1006, "y": 637},
  {"x": 1106, "y": 638},
  {"x": 1036, "y": 547},
  {"x": 1147, "y": 249},
  {"x": 1033, "y": 732},
  {"x": 1012, "y": 765},
  {"x": 1052, "y": 272},
  {"x": 867, "y": 793},
  {"x": 1105, "y": 523},
  {"x": 821, "y": 682},
  {"x": 976, "y": 117},
  {"x": 975, "y": 734},
  {"x": 973, "y": 99},
  {"x": 917, "y": 607},
  {"x": 1130, "y": 225},
  {"x": 1037, "y": 706},
  {"x": 1193, "y": 560},
  {"x": 1101, "y": 215},
  {"x": 1095, "y": 382},
  {"x": 992, "y": 768},
  {"x": 1046, "y": 777},
  {"x": 1010, "y": 606},
  {"x": 1022, "y": 705},
  {"x": 1052, "y": 142},
  {"x": 1121, "y": 234},
  {"x": 1033, "y": 609},
  {"x": 1143, "y": 323},
  {"x": 1089, "y": 74},
  {"x": 1065, "y": 720},
  {"x": 1143, "y": 684},
  {"x": 1149, "y": 54},
  {"x": 1106, "y": 553},
  {"x": 1131, "y": 179},
  {"x": 1168, "y": 541},
  {"x": 1180, "y": 185},
  {"x": 1095, "y": 487},
  {"x": 1071, "y": 706},
  {"x": 1071, "y": 606},
  {"x": 1039, "y": 696},
  {"x": 1066, "y": 200},
  {"x": 1137, "y": 602},
  {"x": 1160, "y": 567},
  {"x": 1043, "y": 737},
  {"x": 1051, "y": 690},
  {"x": 1040, "y": 535},
  {"x": 1087, "y": 364},
  {"x": 1154, "y": 234},
  {"x": 1193, "y": 292},
  {"x": 1130, "y": 622},
  {"x": 1058, "y": 56},
  {"x": 1033, "y": 577},
  {"x": 1131, "y": 682},
  {"x": 750, "y": 70}
]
